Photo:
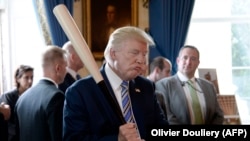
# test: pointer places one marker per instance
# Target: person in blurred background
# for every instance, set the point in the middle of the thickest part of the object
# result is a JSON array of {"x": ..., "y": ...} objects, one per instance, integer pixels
[
  {"x": 23, "y": 80},
  {"x": 39, "y": 109},
  {"x": 160, "y": 67},
  {"x": 74, "y": 65},
  {"x": 190, "y": 100}
]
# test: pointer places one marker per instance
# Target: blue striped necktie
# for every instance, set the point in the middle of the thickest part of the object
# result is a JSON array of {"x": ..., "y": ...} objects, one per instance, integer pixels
[{"x": 126, "y": 104}]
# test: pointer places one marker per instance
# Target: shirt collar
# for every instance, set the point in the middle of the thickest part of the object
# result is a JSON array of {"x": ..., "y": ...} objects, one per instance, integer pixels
[
  {"x": 114, "y": 80},
  {"x": 71, "y": 72},
  {"x": 183, "y": 78}
]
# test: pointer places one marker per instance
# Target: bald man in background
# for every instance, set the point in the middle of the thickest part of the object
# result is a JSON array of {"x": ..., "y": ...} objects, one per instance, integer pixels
[{"x": 160, "y": 67}]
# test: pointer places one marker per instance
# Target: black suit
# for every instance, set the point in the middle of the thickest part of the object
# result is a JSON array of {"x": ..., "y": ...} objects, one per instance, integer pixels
[
  {"x": 39, "y": 113},
  {"x": 68, "y": 80},
  {"x": 88, "y": 114}
]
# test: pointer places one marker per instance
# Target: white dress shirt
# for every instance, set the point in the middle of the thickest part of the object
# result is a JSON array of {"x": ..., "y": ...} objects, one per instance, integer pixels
[
  {"x": 115, "y": 82},
  {"x": 199, "y": 92}
]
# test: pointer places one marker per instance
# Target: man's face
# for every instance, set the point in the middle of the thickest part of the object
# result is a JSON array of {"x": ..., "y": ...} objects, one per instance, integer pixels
[
  {"x": 78, "y": 62},
  {"x": 130, "y": 59},
  {"x": 188, "y": 61},
  {"x": 165, "y": 72},
  {"x": 111, "y": 14}
]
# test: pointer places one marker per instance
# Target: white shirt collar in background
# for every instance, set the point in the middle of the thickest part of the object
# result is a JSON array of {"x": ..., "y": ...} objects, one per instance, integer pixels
[{"x": 71, "y": 72}]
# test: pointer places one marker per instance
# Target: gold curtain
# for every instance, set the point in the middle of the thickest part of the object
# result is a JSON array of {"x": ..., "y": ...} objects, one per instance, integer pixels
[{"x": 43, "y": 21}]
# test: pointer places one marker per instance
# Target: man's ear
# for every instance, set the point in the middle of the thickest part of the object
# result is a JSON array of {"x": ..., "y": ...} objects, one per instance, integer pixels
[
  {"x": 57, "y": 67},
  {"x": 177, "y": 60},
  {"x": 72, "y": 56},
  {"x": 112, "y": 53},
  {"x": 157, "y": 69}
]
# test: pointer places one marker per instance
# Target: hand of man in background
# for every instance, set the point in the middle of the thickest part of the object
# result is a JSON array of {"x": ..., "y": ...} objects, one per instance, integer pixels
[{"x": 5, "y": 110}]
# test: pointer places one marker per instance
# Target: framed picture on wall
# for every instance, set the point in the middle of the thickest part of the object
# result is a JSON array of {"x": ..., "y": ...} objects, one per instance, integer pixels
[
  {"x": 209, "y": 74},
  {"x": 101, "y": 18}
]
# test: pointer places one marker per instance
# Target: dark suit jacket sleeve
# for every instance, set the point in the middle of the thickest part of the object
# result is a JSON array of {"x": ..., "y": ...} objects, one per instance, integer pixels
[
  {"x": 82, "y": 119},
  {"x": 54, "y": 113}
]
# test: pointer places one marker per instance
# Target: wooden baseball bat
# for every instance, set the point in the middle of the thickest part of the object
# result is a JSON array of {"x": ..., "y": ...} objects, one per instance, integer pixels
[{"x": 73, "y": 33}]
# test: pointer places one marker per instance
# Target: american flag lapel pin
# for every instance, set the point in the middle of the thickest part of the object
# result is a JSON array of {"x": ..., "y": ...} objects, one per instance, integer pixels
[{"x": 137, "y": 90}]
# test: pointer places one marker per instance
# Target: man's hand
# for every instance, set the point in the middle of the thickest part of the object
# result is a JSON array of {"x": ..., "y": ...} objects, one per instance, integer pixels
[
  {"x": 128, "y": 132},
  {"x": 5, "y": 110}
]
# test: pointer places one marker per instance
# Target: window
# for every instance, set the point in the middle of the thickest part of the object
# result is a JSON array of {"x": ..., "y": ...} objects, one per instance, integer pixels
[
  {"x": 221, "y": 31},
  {"x": 21, "y": 41}
]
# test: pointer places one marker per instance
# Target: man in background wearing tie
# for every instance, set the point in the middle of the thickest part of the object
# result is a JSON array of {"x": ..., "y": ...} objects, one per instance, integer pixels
[
  {"x": 189, "y": 100},
  {"x": 88, "y": 115},
  {"x": 74, "y": 65}
]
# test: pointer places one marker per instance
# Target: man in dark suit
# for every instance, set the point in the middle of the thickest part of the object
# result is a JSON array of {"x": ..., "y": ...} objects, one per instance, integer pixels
[
  {"x": 74, "y": 65},
  {"x": 39, "y": 109},
  {"x": 178, "y": 90},
  {"x": 88, "y": 114}
]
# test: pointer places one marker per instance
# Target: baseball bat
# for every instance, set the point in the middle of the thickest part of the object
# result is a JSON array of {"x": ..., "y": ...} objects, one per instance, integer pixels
[{"x": 73, "y": 33}]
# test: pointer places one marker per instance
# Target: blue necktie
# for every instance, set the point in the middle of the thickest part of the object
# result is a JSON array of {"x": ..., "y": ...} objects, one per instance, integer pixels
[{"x": 126, "y": 104}]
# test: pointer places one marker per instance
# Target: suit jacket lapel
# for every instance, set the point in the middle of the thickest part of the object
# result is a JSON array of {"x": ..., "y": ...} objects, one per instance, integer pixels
[
  {"x": 107, "y": 82},
  {"x": 180, "y": 91},
  {"x": 136, "y": 93},
  {"x": 102, "y": 70}
]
